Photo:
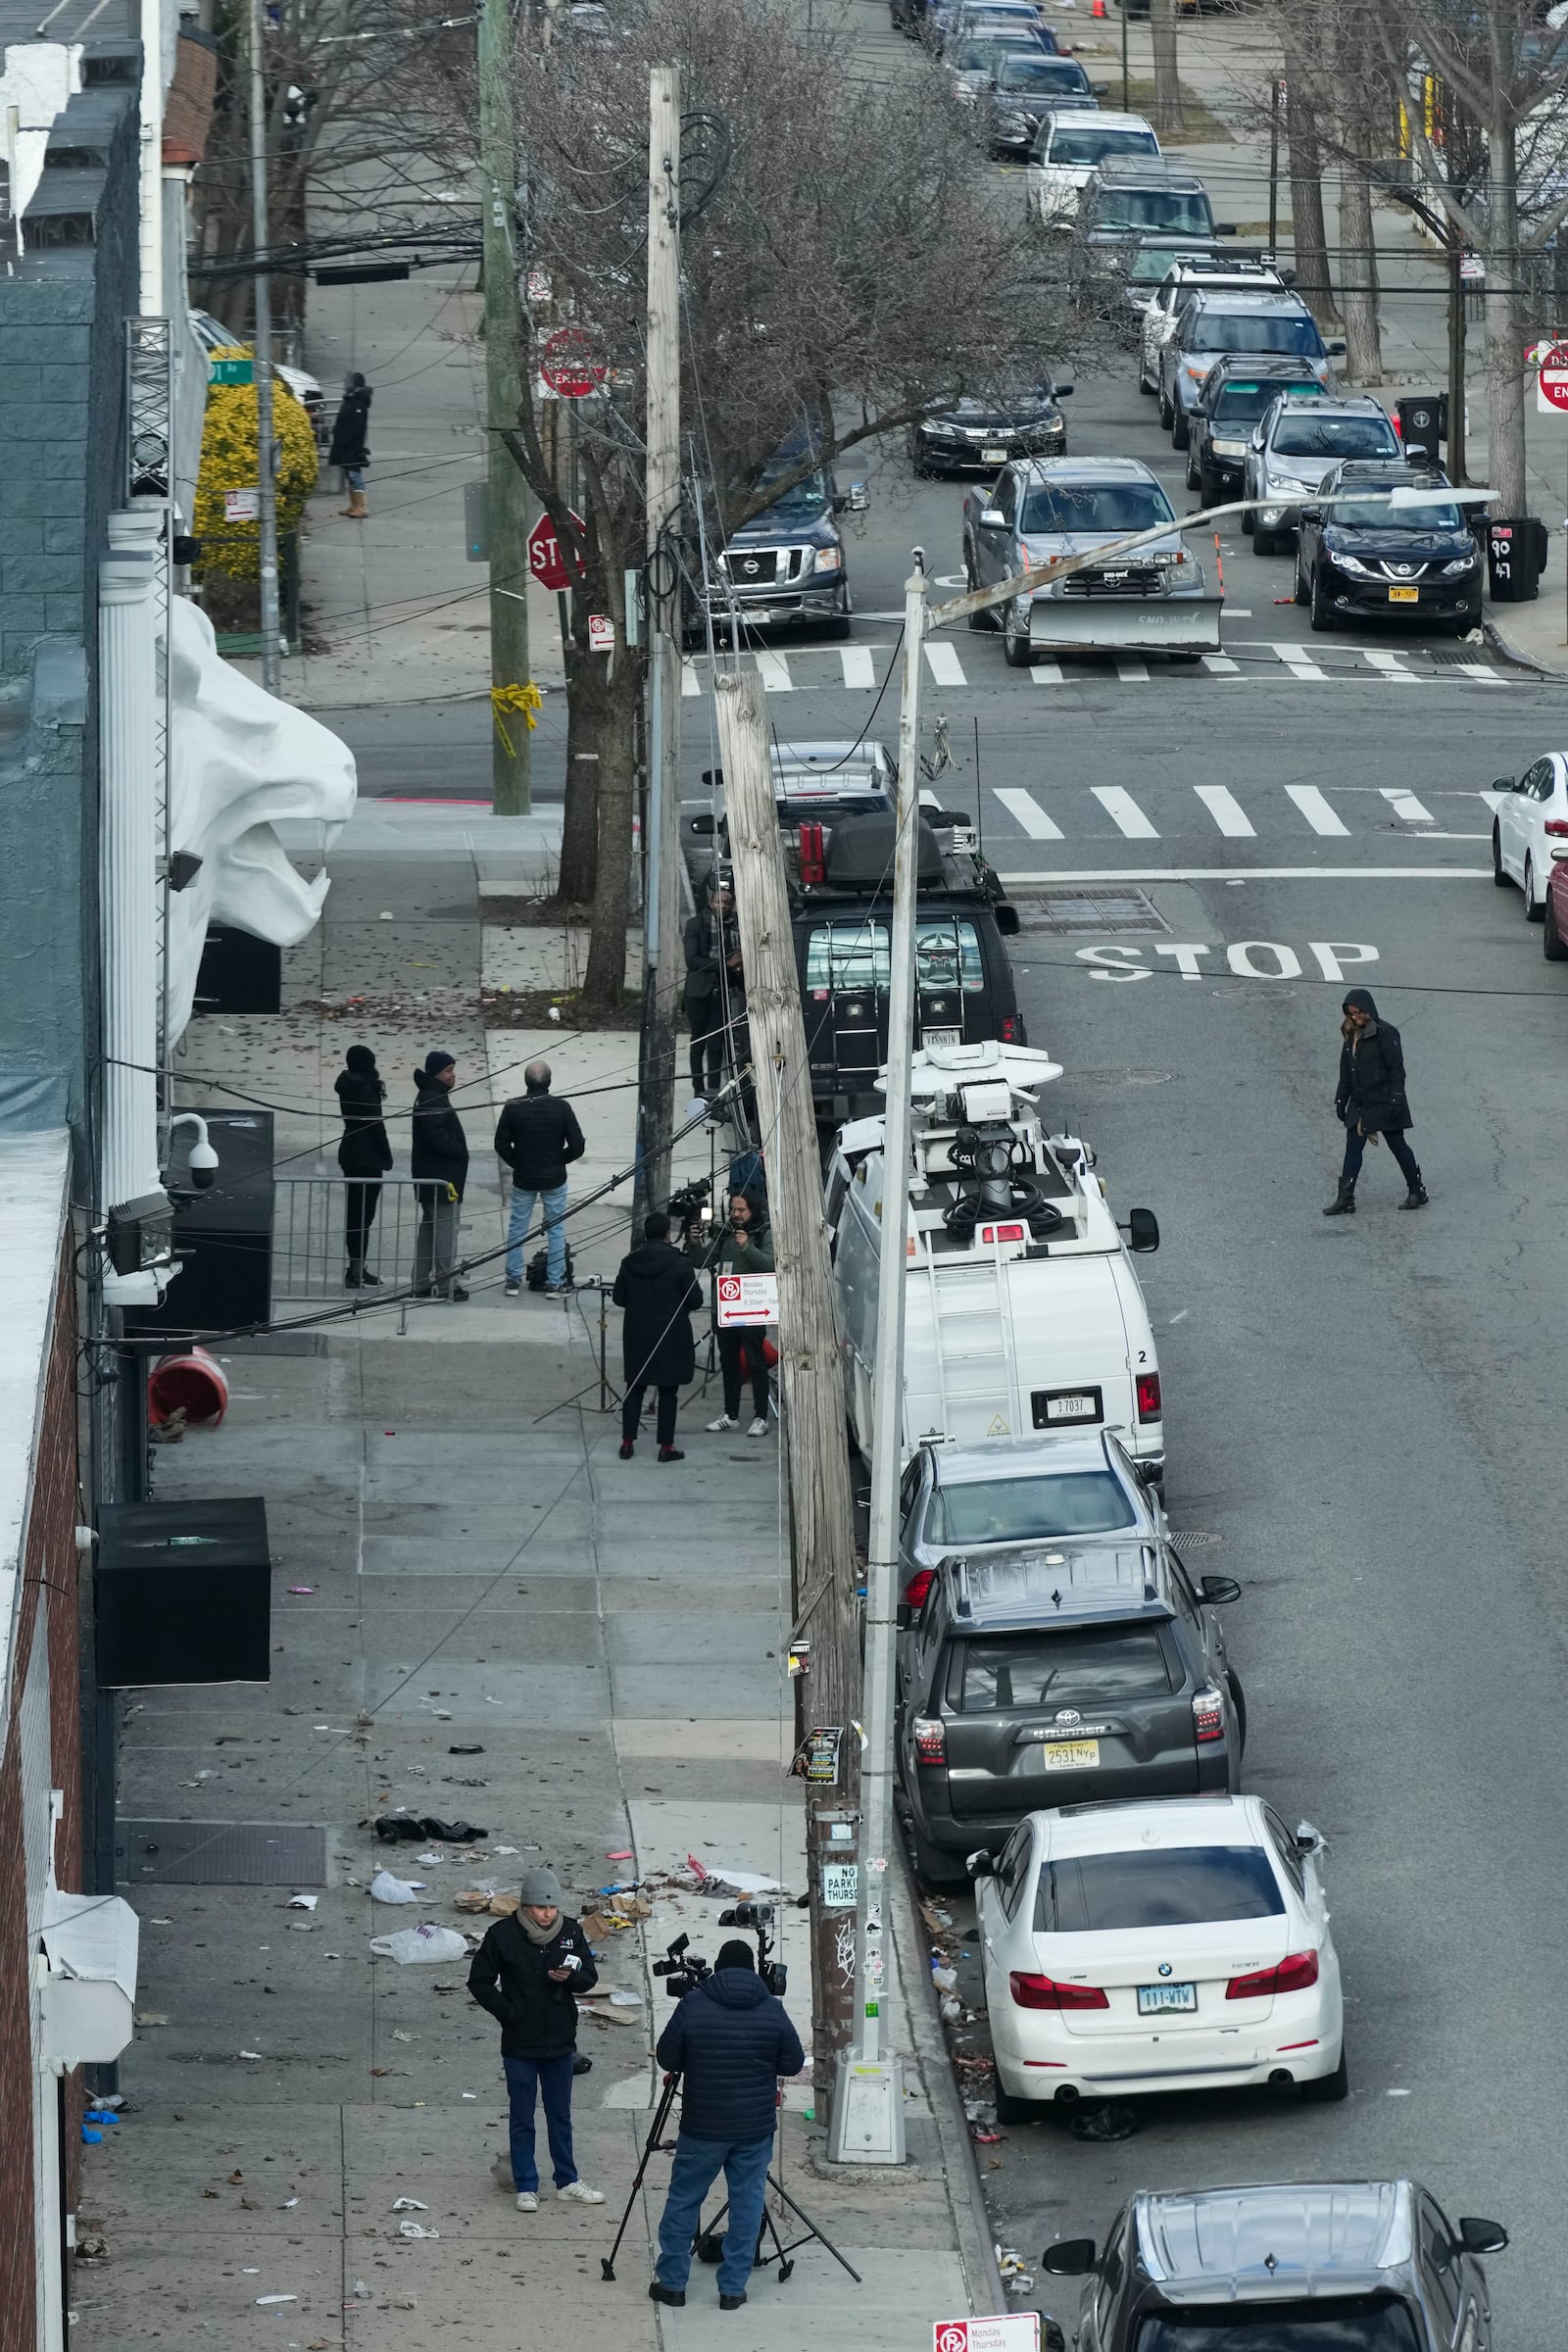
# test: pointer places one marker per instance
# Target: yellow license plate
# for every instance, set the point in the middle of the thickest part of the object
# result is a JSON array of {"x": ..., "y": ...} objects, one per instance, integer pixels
[
  {"x": 1071, "y": 1756},
  {"x": 1404, "y": 596}
]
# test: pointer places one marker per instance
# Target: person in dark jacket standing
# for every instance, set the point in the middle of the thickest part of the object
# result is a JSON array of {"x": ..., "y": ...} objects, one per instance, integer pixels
[
  {"x": 538, "y": 1138},
  {"x": 714, "y": 990},
  {"x": 350, "y": 448},
  {"x": 364, "y": 1155},
  {"x": 659, "y": 1293},
  {"x": 528, "y": 1973},
  {"x": 1371, "y": 1102},
  {"x": 745, "y": 1245},
  {"x": 729, "y": 2039},
  {"x": 439, "y": 1164}
]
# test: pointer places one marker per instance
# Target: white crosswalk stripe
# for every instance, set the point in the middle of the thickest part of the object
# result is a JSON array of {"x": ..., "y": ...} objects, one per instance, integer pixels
[
  {"x": 774, "y": 672},
  {"x": 1226, "y": 810},
  {"x": 1405, "y": 806},
  {"x": 1046, "y": 674},
  {"x": 1131, "y": 671},
  {"x": 928, "y": 799},
  {"x": 1298, "y": 661},
  {"x": 1390, "y": 665},
  {"x": 861, "y": 669},
  {"x": 946, "y": 668},
  {"x": 1315, "y": 808},
  {"x": 1221, "y": 665},
  {"x": 1031, "y": 818},
  {"x": 858, "y": 667},
  {"x": 1480, "y": 670},
  {"x": 1124, "y": 812}
]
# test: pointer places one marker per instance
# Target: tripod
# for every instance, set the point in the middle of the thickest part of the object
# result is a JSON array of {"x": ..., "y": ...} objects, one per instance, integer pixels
[{"x": 708, "y": 2243}]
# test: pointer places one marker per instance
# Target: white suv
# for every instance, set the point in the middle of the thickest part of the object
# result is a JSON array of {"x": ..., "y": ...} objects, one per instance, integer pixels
[
  {"x": 1069, "y": 148},
  {"x": 1159, "y": 319}
]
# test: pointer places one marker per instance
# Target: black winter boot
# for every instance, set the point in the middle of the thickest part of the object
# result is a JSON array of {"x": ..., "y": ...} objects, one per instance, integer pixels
[
  {"x": 1416, "y": 1196},
  {"x": 1343, "y": 1203}
]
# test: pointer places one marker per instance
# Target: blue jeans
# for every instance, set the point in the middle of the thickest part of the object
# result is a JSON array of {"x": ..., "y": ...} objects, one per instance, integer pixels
[
  {"x": 552, "y": 2079},
  {"x": 554, "y": 1207},
  {"x": 692, "y": 2174}
]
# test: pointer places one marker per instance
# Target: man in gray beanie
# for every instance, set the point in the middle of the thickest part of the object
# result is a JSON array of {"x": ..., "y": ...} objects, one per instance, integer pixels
[{"x": 528, "y": 1973}]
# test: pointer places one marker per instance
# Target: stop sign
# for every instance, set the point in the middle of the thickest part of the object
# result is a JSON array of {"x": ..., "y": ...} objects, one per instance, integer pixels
[
  {"x": 568, "y": 363},
  {"x": 546, "y": 561}
]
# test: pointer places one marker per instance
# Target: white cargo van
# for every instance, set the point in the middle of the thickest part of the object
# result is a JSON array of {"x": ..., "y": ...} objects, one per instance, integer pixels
[{"x": 1022, "y": 1310}]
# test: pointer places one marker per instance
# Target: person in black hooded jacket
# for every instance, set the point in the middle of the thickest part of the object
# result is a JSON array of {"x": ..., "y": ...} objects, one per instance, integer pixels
[
  {"x": 659, "y": 1293},
  {"x": 729, "y": 2039},
  {"x": 438, "y": 1161},
  {"x": 1370, "y": 1100},
  {"x": 364, "y": 1155}
]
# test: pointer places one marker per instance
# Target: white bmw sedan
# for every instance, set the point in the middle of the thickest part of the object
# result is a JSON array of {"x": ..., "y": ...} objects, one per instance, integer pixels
[
  {"x": 1179, "y": 1944},
  {"x": 1530, "y": 828}
]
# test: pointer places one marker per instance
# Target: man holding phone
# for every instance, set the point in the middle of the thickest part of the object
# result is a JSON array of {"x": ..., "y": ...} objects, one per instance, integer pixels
[{"x": 528, "y": 1973}]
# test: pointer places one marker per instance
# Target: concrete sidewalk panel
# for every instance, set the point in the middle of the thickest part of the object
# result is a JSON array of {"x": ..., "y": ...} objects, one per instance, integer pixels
[
  {"x": 535, "y": 1694},
  {"x": 648, "y": 1638},
  {"x": 737, "y": 1690}
]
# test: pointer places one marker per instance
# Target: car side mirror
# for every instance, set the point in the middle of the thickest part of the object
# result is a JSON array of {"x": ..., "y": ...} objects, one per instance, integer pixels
[
  {"x": 1062, "y": 391},
  {"x": 1481, "y": 2237},
  {"x": 1219, "y": 1591},
  {"x": 1069, "y": 2257},
  {"x": 992, "y": 518},
  {"x": 1311, "y": 513},
  {"x": 860, "y": 498},
  {"x": 1505, "y": 783},
  {"x": 1335, "y": 347},
  {"x": 1143, "y": 1231},
  {"x": 1006, "y": 919},
  {"x": 1224, "y": 228},
  {"x": 1102, "y": 89},
  {"x": 1308, "y": 1839},
  {"x": 1287, "y": 275},
  {"x": 702, "y": 824},
  {"x": 979, "y": 1864}
]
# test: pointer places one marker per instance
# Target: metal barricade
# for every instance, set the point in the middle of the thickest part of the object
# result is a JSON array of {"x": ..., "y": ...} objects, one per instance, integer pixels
[{"x": 310, "y": 1236}]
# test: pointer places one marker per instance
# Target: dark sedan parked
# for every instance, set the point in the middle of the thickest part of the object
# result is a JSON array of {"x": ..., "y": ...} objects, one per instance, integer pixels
[
  {"x": 981, "y": 433},
  {"x": 1370, "y": 561},
  {"x": 1237, "y": 389},
  {"x": 1024, "y": 88}
]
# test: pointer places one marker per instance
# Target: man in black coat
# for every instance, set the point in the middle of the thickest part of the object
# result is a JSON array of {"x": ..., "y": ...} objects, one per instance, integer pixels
[
  {"x": 350, "y": 448},
  {"x": 528, "y": 1973},
  {"x": 538, "y": 1137},
  {"x": 714, "y": 991},
  {"x": 1371, "y": 1102},
  {"x": 438, "y": 1163},
  {"x": 729, "y": 2039},
  {"x": 364, "y": 1155},
  {"x": 661, "y": 1294}
]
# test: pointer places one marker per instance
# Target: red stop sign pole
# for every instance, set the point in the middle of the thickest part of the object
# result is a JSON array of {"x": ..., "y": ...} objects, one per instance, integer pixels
[{"x": 546, "y": 563}]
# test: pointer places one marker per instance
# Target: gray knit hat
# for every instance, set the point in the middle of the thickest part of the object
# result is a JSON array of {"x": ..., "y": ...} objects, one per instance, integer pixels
[{"x": 540, "y": 1889}]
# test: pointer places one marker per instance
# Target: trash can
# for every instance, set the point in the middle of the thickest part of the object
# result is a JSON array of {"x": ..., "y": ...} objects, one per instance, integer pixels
[
  {"x": 1423, "y": 423},
  {"x": 1516, "y": 557}
]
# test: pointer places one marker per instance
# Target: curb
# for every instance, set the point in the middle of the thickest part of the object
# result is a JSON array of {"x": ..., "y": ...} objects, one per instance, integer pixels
[
  {"x": 1505, "y": 648},
  {"x": 970, "y": 2219}
]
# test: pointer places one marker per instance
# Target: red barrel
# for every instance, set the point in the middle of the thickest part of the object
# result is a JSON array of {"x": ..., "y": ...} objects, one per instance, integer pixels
[{"x": 192, "y": 1384}]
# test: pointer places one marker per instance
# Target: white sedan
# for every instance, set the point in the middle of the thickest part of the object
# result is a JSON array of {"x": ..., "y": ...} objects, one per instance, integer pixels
[
  {"x": 1530, "y": 828},
  {"x": 1178, "y": 1944}
]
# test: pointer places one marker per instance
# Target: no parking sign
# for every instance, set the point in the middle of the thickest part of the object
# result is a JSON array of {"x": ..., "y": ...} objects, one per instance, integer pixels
[
  {"x": 1016, "y": 2332},
  {"x": 747, "y": 1300}
]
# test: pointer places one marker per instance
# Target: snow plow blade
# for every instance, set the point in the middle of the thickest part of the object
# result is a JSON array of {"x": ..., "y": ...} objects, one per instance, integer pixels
[{"x": 1125, "y": 624}]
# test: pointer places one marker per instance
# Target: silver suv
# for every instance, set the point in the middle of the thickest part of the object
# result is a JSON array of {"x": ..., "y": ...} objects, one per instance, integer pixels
[
  {"x": 1207, "y": 325},
  {"x": 1296, "y": 444}
]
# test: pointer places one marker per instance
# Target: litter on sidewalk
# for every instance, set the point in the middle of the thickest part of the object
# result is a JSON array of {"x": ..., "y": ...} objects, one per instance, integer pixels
[{"x": 424, "y": 1943}]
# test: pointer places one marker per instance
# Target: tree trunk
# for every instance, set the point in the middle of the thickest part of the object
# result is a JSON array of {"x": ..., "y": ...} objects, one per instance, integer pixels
[
  {"x": 618, "y": 697},
  {"x": 1168, "y": 115},
  {"x": 1505, "y": 335},
  {"x": 579, "y": 824},
  {"x": 1312, "y": 281},
  {"x": 1358, "y": 274}
]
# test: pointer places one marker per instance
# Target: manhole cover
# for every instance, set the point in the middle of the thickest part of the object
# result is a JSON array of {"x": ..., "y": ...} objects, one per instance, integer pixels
[
  {"x": 1197, "y": 1538},
  {"x": 220, "y": 1853},
  {"x": 1102, "y": 907}
]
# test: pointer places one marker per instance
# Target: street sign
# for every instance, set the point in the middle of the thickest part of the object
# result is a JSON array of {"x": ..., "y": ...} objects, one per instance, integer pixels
[
  {"x": 568, "y": 363},
  {"x": 545, "y": 560},
  {"x": 231, "y": 372},
  {"x": 747, "y": 1300},
  {"x": 841, "y": 1885},
  {"x": 1015, "y": 2331},
  {"x": 1551, "y": 382},
  {"x": 601, "y": 633},
  {"x": 243, "y": 506}
]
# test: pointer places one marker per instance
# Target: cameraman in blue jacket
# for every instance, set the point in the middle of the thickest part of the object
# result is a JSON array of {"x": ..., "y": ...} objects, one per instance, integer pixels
[{"x": 729, "y": 2039}]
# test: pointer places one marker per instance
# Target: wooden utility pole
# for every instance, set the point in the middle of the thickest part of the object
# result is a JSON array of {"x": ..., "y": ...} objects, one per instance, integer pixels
[
  {"x": 664, "y": 960},
  {"x": 510, "y": 790},
  {"x": 821, "y": 1502}
]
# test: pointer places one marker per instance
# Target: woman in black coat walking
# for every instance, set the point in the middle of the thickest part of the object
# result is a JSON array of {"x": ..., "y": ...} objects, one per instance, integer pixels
[
  {"x": 364, "y": 1155},
  {"x": 660, "y": 1293},
  {"x": 1371, "y": 1102},
  {"x": 350, "y": 448}
]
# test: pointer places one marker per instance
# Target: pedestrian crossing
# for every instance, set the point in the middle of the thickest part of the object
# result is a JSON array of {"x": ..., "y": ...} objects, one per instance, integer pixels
[
  {"x": 864, "y": 669},
  {"x": 1071, "y": 812}
]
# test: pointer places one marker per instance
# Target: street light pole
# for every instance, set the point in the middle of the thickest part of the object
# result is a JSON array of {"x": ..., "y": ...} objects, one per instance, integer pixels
[
  {"x": 510, "y": 782},
  {"x": 265, "y": 444},
  {"x": 662, "y": 933}
]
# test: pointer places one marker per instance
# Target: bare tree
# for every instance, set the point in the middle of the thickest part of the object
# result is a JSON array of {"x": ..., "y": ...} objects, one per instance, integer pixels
[
  {"x": 1366, "y": 109},
  {"x": 1168, "y": 112},
  {"x": 1304, "y": 75}
]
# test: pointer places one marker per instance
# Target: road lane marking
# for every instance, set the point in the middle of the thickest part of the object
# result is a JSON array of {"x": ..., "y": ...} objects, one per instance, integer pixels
[
  {"x": 1124, "y": 812},
  {"x": 858, "y": 667},
  {"x": 1251, "y": 874},
  {"x": 1131, "y": 671},
  {"x": 1046, "y": 674},
  {"x": 1298, "y": 661},
  {"x": 1477, "y": 670},
  {"x": 1389, "y": 665},
  {"x": 774, "y": 672},
  {"x": 1315, "y": 808},
  {"x": 946, "y": 668},
  {"x": 1407, "y": 808},
  {"x": 1226, "y": 810},
  {"x": 929, "y": 800},
  {"x": 1027, "y": 812},
  {"x": 1222, "y": 665}
]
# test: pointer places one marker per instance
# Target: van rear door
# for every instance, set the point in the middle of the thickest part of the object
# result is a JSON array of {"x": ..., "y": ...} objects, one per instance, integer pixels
[{"x": 1070, "y": 1346}]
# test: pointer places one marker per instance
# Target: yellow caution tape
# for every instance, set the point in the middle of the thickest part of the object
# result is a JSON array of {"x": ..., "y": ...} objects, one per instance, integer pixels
[{"x": 526, "y": 698}]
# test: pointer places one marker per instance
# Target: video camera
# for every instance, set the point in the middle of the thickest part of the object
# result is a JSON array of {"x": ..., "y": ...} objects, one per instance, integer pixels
[
  {"x": 687, "y": 1206},
  {"x": 759, "y": 1917},
  {"x": 682, "y": 1969}
]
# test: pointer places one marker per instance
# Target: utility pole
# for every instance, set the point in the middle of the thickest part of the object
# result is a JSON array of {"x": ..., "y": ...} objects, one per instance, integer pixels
[
  {"x": 822, "y": 1503},
  {"x": 510, "y": 780},
  {"x": 262, "y": 369},
  {"x": 661, "y": 935},
  {"x": 1276, "y": 93}
]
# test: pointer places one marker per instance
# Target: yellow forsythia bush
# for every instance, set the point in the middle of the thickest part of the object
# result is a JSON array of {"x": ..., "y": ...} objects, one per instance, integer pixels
[{"x": 229, "y": 462}]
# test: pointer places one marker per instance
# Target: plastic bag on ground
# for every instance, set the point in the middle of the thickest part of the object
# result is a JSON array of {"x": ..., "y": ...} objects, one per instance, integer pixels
[
  {"x": 385, "y": 1888},
  {"x": 424, "y": 1943}
]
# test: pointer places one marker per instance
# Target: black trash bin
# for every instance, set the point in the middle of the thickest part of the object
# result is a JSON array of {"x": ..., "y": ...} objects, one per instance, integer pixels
[
  {"x": 1516, "y": 557},
  {"x": 1423, "y": 423}
]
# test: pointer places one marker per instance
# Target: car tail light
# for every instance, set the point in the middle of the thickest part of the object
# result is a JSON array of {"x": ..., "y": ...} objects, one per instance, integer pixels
[
  {"x": 914, "y": 1593},
  {"x": 1041, "y": 1992},
  {"x": 1295, "y": 1973},
  {"x": 930, "y": 1740},
  {"x": 1557, "y": 827},
  {"x": 1003, "y": 1233},
  {"x": 1148, "y": 1395},
  {"x": 1208, "y": 1716},
  {"x": 813, "y": 863},
  {"x": 1007, "y": 1028}
]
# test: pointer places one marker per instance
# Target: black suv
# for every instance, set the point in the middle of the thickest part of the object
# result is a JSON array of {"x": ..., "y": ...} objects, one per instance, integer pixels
[
  {"x": 1370, "y": 561},
  {"x": 1375, "y": 2264},
  {"x": 1235, "y": 391},
  {"x": 1018, "y": 1665}
]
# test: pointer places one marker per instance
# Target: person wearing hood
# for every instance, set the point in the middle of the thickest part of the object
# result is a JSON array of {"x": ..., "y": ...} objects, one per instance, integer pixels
[
  {"x": 528, "y": 1972},
  {"x": 364, "y": 1155},
  {"x": 438, "y": 1163},
  {"x": 1370, "y": 1100},
  {"x": 660, "y": 1293},
  {"x": 730, "y": 2041},
  {"x": 350, "y": 449},
  {"x": 745, "y": 1245}
]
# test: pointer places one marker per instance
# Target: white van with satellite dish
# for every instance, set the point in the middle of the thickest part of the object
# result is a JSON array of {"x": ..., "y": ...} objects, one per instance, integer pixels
[{"x": 1022, "y": 1310}]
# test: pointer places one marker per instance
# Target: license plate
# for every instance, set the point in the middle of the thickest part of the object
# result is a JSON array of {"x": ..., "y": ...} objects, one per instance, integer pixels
[
  {"x": 1070, "y": 1408},
  {"x": 1152, "y": 2000},
  {"x": 940, "y": 1037},
  {"x": 1404, "y": 596},
  {"x": 758, "y": 615},
  {"x": 1071, "y": 1756},
  {"x": 992, "y": 456}
]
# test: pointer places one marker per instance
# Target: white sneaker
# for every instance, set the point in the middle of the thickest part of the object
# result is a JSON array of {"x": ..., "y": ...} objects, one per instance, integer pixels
[
  {"x": 758, "y": 1428},
  {"x": 723, "y": 1422},
  {"x": 527, "y": 2202},
  {"x": 578, "y": 2192}
]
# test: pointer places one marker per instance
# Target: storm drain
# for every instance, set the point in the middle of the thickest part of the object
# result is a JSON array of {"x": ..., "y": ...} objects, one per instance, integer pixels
[
  {"x": 1196, "y": 1539},
  {"x": 1117, "y": 906},
  {"x": 220, "y": 1853}
]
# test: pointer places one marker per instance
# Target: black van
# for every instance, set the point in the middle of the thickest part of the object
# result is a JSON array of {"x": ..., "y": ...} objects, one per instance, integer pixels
[{"x": 842, "y": 916}]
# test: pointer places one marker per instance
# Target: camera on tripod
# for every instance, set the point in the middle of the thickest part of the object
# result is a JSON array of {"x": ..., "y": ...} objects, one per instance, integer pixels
[
  {"x": 759, "y": 1917},
  {"x": 682, "y": 1969},
  {"x": 689, "y": 1207}
]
